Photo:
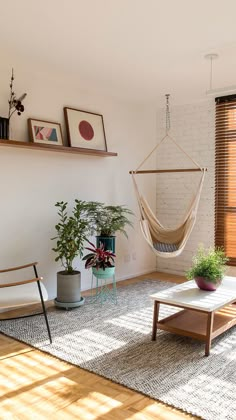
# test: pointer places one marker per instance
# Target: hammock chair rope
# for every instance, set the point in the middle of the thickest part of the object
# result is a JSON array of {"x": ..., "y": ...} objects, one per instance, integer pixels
[{"x": 163, "y": 241}]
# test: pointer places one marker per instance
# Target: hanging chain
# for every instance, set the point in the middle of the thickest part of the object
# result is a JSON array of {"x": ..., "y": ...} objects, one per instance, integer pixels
[{"x": 167, "y": 113}]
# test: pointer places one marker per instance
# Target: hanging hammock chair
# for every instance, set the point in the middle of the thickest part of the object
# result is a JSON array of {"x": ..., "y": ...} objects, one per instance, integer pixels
[{"x": 166, "y": 242}]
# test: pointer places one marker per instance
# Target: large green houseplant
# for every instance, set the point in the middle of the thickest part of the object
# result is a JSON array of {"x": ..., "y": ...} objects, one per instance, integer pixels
[
  {"x": 72, "y": 231},
  {"x": 107, "y": 220},
  {"x": 208, "y": 268}
]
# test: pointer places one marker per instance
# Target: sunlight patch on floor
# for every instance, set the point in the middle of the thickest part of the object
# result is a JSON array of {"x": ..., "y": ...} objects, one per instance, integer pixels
[
  {"x": 92, "y": 406},
  {"x": 139, "y": 321},
  {"x": 92, "y": 344}
]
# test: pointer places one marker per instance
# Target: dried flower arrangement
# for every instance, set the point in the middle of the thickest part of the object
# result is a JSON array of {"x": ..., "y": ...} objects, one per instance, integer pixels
[{"x": 15, "y": 104}]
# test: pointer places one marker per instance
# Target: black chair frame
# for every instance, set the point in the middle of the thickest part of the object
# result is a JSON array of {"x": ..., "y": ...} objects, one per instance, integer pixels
[{"x": 37, "y": 280}]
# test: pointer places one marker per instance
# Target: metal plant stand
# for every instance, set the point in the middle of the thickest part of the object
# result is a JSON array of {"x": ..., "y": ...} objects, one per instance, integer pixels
[{"x": 104, "y": 291}]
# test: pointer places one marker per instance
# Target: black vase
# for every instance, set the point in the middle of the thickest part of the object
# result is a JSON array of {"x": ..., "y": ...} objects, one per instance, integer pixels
[{"x": 4, "y": 128}]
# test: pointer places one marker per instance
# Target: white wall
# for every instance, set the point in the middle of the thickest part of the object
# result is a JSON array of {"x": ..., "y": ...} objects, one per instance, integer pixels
[{"x": 33, "y": 181}]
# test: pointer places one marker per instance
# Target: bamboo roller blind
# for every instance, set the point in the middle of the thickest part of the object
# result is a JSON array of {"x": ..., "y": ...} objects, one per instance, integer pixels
[{"x": 225, "y": 181}]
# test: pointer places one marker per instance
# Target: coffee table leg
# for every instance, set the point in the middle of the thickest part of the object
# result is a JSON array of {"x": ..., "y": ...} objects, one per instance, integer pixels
[
  {"x": 155, "y": 319},
  {"x": 210, "y": 319}
]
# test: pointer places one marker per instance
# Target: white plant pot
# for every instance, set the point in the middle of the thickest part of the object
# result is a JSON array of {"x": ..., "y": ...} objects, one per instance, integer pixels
[{"x": 68, "y": 287}]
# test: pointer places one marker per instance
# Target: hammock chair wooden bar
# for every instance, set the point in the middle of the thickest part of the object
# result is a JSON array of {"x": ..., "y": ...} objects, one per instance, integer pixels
[{"x": 160, "y": 171}]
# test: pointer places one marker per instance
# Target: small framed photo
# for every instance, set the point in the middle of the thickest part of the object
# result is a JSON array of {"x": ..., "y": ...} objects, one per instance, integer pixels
[
  {"x": 45, "y": 132},
  {"x": 85, "y": 129}
]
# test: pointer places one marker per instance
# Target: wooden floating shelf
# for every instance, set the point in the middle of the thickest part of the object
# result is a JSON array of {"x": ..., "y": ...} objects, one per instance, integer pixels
[{"x": 50, "y": 148}]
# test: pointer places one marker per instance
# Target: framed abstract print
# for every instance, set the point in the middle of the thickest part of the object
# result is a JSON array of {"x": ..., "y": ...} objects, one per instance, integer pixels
[{"x": 45, "y": 132}]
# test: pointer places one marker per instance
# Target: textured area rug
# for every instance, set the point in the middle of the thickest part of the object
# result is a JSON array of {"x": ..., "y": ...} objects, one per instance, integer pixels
[{"x": 115, "y": 341}]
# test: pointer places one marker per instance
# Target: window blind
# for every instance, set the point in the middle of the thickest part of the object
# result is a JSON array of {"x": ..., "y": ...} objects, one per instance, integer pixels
[{"x": 225, "y": 176}]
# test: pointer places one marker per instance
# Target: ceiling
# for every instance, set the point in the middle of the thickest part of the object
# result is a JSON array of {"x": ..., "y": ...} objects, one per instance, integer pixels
[{"x": 136, "y": 50}]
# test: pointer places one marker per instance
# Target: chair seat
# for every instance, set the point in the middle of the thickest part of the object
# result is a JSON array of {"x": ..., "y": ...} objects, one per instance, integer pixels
[
  {"x": 160, "y": 246},
  {"x": 25, "y": 294}
]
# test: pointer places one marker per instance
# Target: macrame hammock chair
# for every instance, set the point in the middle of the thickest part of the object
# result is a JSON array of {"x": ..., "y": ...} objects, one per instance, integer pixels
[{"x": 166, "y": 242}]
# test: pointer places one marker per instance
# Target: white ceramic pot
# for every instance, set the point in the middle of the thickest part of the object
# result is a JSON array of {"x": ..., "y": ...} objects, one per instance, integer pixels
[{"x": 68, "y": 287}]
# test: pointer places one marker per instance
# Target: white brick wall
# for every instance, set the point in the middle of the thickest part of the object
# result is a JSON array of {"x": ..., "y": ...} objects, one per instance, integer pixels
[{"x": 192, "y": 126}]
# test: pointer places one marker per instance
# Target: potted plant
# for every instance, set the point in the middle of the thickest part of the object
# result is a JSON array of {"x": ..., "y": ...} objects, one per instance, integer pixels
[
  {"x": 100, "y": 260},
  {"x": 72, "y": 231},
  {"x": 107, "y": 220},
  {"x": 208, "y": 269}
]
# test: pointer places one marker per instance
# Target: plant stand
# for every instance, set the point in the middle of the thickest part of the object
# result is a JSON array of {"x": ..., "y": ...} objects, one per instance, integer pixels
[
  {"x": 69, "y": 305},
  {"x": 104, "y": 291}
]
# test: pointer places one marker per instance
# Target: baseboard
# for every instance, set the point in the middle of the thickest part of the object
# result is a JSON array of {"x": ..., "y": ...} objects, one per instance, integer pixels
[
  {"x": 129, "y": 276},
  {"x": 175, "y": 272},
  {"x": 139, "y": 273}
]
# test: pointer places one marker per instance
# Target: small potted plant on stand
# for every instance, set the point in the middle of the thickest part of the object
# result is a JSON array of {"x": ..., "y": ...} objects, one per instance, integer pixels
[
  {"x": 208, "y": 269},
  {"x": 72, "y": 231},
  {"x": 102, "y": 263},
  {"x": 107, "y": 220}
]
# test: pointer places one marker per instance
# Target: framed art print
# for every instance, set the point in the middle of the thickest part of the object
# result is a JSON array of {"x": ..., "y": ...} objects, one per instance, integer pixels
[
  {"x": 85, "y": 129},
  {"x": 45, "y": 132}
]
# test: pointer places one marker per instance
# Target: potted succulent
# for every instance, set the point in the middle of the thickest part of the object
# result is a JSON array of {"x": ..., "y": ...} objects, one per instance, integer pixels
[
  {"x": 72, "y": 231},
  {"x": 100, "y": 260},
  {"x": 107, "y": 220},
  {"x": 208, "y": 269}
]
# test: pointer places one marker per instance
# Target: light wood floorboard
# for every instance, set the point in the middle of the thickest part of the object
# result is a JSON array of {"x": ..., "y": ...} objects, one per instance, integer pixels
[{"x": 34, "y": 385}]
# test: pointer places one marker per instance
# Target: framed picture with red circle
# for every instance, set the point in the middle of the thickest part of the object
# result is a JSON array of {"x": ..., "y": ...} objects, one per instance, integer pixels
[{"x": 85, "y": 129}]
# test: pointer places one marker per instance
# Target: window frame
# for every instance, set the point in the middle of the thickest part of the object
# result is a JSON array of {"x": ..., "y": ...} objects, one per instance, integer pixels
[{"x": 225, "y": 179}]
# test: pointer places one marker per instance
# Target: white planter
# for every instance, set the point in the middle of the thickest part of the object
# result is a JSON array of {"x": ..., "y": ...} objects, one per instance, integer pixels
[{"x": 68, "y": 287}]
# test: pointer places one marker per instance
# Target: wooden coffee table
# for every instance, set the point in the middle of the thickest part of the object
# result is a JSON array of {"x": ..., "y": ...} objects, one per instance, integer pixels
[{"x": 205, "y": 315}]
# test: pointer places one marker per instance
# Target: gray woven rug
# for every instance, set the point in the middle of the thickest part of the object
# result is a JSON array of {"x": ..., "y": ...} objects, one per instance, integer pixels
[{"x": 115, "y": 341}]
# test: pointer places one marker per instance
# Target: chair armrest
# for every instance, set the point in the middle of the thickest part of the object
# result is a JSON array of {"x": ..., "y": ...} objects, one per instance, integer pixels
[
  {"x": 19, "y": 267},
  {"x": 18, "y": 283}
]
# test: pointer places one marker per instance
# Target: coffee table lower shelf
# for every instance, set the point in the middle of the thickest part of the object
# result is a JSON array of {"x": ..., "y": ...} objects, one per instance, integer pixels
[{"x": 197, "y": 324}]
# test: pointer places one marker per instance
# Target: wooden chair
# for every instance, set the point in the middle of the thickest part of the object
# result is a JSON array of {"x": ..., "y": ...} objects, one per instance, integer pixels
[{"x": 23, "y": 293}]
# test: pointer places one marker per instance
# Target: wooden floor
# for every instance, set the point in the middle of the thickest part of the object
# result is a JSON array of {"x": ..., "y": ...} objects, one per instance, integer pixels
[{"x": 34, "y": 386}]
